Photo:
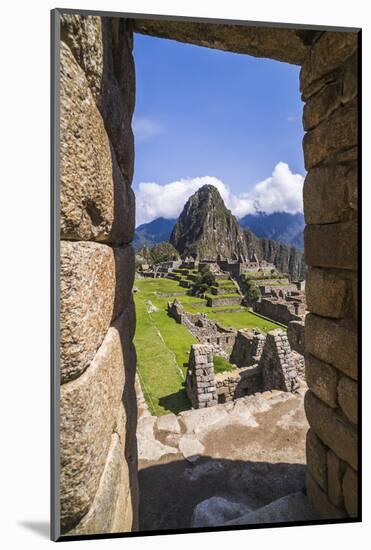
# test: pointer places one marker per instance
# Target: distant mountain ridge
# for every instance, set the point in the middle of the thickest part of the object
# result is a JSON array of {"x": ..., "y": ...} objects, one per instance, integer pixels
[
  {"x": 154, "y": 232},
  {"x": 279, "y": 226}
]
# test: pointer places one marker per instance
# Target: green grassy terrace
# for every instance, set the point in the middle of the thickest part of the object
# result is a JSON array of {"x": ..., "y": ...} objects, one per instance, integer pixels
[{"x": 162, "y": 345}]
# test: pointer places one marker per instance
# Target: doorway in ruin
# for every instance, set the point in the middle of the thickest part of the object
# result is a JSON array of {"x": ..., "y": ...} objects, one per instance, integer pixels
[
  {"x": 271, "y": 437},
  {"x": 170, "y": 446}
]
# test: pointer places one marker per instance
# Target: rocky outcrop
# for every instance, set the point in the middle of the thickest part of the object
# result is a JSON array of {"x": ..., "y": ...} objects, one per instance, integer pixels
[
  {"x": 287, "y": 259},
  {"x": 98, "y": 452},
  {"x": 206, "y": 229}
]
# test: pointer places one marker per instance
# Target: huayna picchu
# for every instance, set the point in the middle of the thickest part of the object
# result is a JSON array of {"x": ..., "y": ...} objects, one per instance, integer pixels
[{"x": 207, "y": 230}]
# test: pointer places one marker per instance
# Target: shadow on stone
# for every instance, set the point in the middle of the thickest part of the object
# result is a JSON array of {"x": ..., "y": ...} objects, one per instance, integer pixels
[
  {"x": 169, "y": 492},
  {"x": 175, "y": 402}
]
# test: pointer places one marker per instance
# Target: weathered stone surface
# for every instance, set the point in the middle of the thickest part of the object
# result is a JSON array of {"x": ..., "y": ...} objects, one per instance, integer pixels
[
  {"x": 101, "y": 514},
  {"x": 124, "y": 258},
  {"x": 333, "y": 245},
  {"x": 341, "y": 88},
  {"x": 292, "y": 507},
  {"x": 118, "y": 90},
  {"x": 320, "y": 502},
  {"x": 317, "y": 459},
  {"x": 322, "y": 380},
  {"x": 334, "y": 430},
  {"x": 330, "y": 193},
  {"x": 190, "y": 447},
  {"x": 281, "y": 44},
  {"x": 96, "y": 203},
  {"x": 279, "y": 370},
  {"x": 168, "y": 423},
  {"x": 96, "y": 283},
  {"x": 126, "y": 504},
  {"x": 328, "y": 53},
  {"x": 335, "y": 476},
  {"x": 334, "y": 134},
  {"x": 332, "y": 342},
  {"x": 86, "y": 301},
  {"x": 348, "y": 398},
  {"x": 88, "y": 407},
  {"x": 296, "y": 336},
  {"x": 350, "y": 491},
  {"x": 217, "y": 511},
  {"x": 83, "y": 35},
  {"x": 325, "y": 293}
]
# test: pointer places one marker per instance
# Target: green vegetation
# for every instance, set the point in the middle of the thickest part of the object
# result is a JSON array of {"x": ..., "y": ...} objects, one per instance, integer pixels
[
  {"x": 163, "y": 252},
  {"x": 162, "y": 348},
  {"x": 263, "y": 274},
  {"x": 253, "y": 293},
  {"x": 205, "y": 279},
  {"x": 221, "y": 364},
  {"x": 162, "y": 344}
]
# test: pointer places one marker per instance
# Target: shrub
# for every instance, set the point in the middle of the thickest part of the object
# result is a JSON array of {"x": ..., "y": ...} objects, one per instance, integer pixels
[
  {"x": 253, "y": 293},
  {"x": 204, "y": 281}
]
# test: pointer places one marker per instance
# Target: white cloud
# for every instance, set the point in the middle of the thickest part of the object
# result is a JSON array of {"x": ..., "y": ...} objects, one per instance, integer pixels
[
  {"x": 146, "y": 128},
  {"x": 282, "y": 191}
]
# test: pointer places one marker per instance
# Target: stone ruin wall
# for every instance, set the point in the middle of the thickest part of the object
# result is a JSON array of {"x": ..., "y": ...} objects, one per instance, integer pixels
[
  {"x": 263, "y": 363},
  {"x": 278, "y": 366},
  {"x": 280, "y": 311},
  {"x": 98, "y": 481},
  {"x": 200, "y": 380},
  {"x": 204, "y": 329},
  {"x": 328, "y": 82},
  {"x": 238, "y": 383}
]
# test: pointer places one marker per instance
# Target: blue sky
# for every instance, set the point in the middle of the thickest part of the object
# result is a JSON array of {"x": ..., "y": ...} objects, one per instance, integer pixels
[{"x": 207, "y": 113}]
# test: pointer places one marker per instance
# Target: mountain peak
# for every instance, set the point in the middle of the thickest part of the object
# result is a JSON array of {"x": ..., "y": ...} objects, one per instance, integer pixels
[{"x": 206, "y": 228}]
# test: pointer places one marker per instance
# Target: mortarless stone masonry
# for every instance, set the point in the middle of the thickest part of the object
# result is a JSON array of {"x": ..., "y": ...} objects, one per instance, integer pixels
[
  {"x": 98, "y": 404},
  {"x": 200, "y": 381},
  {"x": 328, "y": 83}
]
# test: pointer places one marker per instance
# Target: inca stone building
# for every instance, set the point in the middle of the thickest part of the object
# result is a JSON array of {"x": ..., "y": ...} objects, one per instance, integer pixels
[{"x": 98, "y": 480}]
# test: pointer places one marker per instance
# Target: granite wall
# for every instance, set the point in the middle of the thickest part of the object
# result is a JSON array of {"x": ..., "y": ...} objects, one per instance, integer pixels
[{"x": 98, "y": 459}]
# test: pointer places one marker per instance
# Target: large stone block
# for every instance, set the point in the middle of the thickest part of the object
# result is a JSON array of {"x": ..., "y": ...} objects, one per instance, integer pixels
[
  {"x": 88, "y": 409},
  {"x": 333, "y": 429},
  {"x": 332, "y": 245},
  {"x": 332, "y": 342},
  {"x": 101, "y": 514},
  {"x": 335, "y": 477},
  {"x": 322, "y": 380},
  {"x": 320, "y": 502},
  {"x": 316, "y": 459},
  {"x": 286, "y": 45},
  {"x": 96, "y": 284},
  {"x": 326, "y": 55},
  {"x": 348, "y": 398},
  {"x": 83, "y": 35},
  {"x": 96, "y": 202},
  {"x": 86, "y": 303},
  {"x": 325, "y": 293},
  {"x": 296, "y": 335},
  {"x": 330, "y": 193},
  {"x": 338, "y": 90},
  {"x": 331, "y": 136},
  {"x": 350, "y": 491},
  {"x": 118, "y": 90},
  {"x": 102, "y": 46}
]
